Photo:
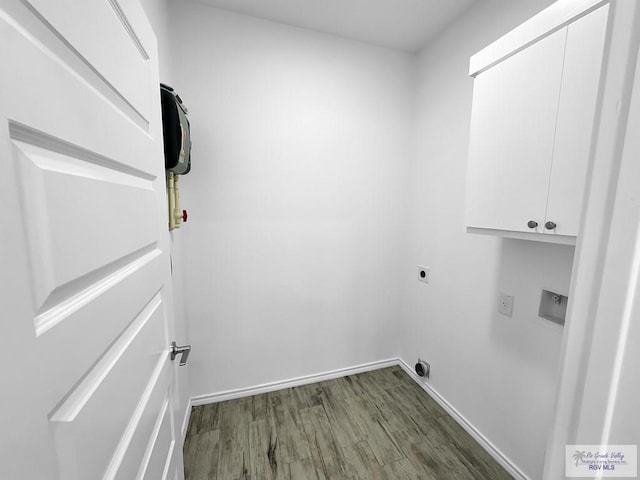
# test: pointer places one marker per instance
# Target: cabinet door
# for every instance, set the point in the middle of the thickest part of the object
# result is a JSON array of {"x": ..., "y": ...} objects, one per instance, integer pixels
[
  {"x": 513, "y": 122},
  {"x": 576, "y": 116}
]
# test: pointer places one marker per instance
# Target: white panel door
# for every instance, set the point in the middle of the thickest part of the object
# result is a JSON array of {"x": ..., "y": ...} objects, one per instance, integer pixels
[
  {"x": 88, "y": 386},
  {"x": 576, "y": 117},
  {"x": 512, "y": 133}
]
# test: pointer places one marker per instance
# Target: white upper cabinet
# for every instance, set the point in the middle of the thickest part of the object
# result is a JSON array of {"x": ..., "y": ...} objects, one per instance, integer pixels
[
  {"x": 515, "y": 106},
  {"x": 534, "y": 108}
]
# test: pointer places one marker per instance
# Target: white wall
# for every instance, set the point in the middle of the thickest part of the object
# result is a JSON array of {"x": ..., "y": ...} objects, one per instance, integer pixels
[
  {"x": 296, "y": 197},
  {"x": 499, "y": 373}
]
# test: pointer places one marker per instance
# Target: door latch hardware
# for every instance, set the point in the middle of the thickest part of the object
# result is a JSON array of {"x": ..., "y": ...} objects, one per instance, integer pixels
[{"x": 183, "y": 350}]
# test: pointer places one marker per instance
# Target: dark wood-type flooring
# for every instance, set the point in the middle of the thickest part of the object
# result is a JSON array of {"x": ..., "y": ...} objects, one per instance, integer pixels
[{"x": 370, "y": 426}]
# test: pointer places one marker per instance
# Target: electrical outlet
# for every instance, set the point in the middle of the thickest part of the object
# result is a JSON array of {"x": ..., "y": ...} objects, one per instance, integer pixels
[
  {"x": 423, "y": 274},
  {"x": 505, "y": 307}
]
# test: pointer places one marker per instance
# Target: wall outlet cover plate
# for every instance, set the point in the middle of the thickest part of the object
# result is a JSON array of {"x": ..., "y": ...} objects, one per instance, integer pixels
[{"x": 505, "y": 305}]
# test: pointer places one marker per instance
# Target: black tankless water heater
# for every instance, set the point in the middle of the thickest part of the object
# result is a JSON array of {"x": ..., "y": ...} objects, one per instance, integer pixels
[{"x": 176, "y": 132}]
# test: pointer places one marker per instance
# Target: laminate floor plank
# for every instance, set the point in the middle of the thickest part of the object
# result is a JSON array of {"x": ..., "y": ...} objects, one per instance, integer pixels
[
  {"x": 360, "y": 462},
  {"x": 452, "y": 466},
  {"x": 476, "y": 459},
  {"x": 308, "y": 395},
  {"x": 260, "y": 404},
  {"x": 264, "y": 448},
  {"x": 345, "y": 428},
  {"x": 395, "y": 416},
  {"x": 382, "y": 443},
  {"x": 428, "y": 403},
  {"x": 305, "y": 469},
  {"x": 420, "y": 453},
  {"x": 235, "y": 456},
  {"x": 377, "y": 425},
  {"x": 403, "y": 469},
  {"x": 194, "y": 420},
  {"x": 374, "y": 471},
  {"x": 325, "y": 451},
  {"x": 353, "y": 385},
  {"x": 201, "y": 455},
  {"x": 288, "y": 425},
  {"x": 378, "y": 430},
  {"x": 189, "y": 454},
  {"x": 209, "y": 418}
]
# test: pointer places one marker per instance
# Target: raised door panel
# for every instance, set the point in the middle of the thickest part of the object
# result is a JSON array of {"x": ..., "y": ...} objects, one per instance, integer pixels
[
  {"x": 157, "y": 459},
  {"x": 116, "y": 397},
  {"x": 576, "y": 117},
  {"x": 71, "y": 206},
  {"x": 102, "y": 35},
  {"x": 512, "y": 135}
]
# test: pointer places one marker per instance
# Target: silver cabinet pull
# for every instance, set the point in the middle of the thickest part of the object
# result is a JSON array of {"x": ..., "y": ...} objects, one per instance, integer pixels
[{"x": 184, "y": 350}]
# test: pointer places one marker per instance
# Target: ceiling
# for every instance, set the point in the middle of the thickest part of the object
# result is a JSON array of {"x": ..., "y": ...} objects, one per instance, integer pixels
[{"x": 401, "y": 24}]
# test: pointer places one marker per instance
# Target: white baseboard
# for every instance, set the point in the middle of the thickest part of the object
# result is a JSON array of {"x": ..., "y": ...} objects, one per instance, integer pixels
[
  {"x": 499, "y": 457},
  {"x": 491, "y": 449},
  {"x": 295, "y": 382}
]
